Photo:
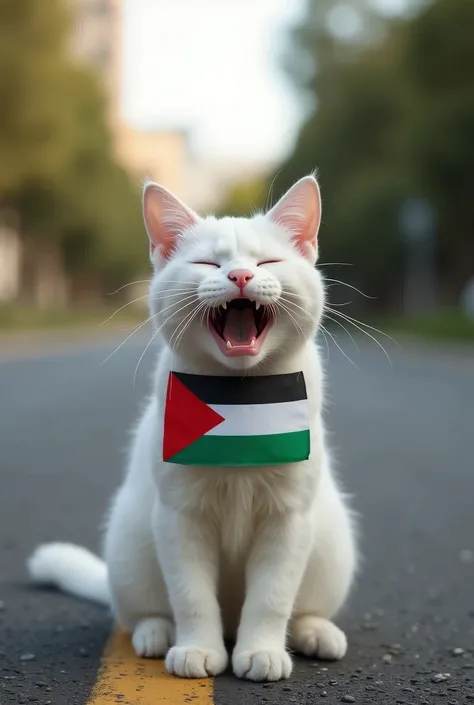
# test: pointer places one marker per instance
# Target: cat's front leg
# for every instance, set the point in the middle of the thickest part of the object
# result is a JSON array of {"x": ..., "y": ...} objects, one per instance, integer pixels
[
  {"x": 188, "y": 554},
  {"x": 274, "y": 572}
]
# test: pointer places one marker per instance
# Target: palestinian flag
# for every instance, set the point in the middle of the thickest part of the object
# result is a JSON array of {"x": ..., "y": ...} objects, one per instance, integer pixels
[{"x": 236, "y": 421}]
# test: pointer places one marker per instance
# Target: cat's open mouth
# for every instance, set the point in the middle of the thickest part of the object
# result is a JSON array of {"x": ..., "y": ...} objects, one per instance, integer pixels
[{"x": 240, "y": 327}]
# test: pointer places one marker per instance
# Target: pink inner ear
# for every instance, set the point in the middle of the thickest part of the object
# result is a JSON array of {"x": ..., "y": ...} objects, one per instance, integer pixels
[
  {"x": 166, "y": 219},
  {"x": 299, "y": 212}
]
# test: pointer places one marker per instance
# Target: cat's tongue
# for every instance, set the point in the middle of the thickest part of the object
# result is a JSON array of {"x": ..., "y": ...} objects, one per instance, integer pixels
[{"x": 240, "y": 327}]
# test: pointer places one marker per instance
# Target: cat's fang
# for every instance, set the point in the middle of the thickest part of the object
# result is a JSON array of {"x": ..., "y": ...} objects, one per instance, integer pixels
[
  {"x": 229, "y": 344},
  {"x": 257, "y": 306},
  {"x": 252, "y": 343},
  {"x": 224, "y": 305}
]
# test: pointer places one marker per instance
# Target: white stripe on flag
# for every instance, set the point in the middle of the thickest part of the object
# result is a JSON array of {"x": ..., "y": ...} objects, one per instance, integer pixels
[{"x": 261, "y": 419}]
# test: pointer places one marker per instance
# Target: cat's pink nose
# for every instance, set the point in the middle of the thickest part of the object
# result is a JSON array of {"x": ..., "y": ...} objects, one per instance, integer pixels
[{"x": 240, "y": 277}]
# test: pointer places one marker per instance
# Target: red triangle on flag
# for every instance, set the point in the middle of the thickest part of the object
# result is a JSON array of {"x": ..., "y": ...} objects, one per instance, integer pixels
[{"x": 187, "y": 418}]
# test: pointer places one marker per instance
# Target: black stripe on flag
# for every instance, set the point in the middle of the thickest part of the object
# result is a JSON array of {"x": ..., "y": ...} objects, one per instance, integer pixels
[{"x": 270, "y": 389}]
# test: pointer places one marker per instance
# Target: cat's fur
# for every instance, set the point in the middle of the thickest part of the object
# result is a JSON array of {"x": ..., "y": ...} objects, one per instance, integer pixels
[{"x": 194, "y": 554}]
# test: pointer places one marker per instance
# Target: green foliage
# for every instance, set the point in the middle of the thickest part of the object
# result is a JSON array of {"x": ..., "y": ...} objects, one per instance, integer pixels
[
  {"x": 35, "y": 124},
  {"x": 57, "y": 166},
  {"x": 244, "y": 198},
  {"x": 98, "y": 319},
  {"x": 392, "y": 119},
  {"x": 447, "y": 323}
]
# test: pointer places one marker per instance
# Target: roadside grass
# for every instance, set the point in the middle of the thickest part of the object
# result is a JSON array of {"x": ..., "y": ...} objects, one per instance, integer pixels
[
  {"x": 449, "y": 324},
  {"x": 19, "y": 318}
]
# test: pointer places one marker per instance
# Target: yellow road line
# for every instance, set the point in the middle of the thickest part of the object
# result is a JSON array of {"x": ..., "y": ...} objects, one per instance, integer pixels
[{"x": 124, "y": 678}]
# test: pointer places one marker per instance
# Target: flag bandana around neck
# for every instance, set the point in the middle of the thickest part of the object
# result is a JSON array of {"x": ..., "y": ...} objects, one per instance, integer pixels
[{"x": 236, "y": 421}]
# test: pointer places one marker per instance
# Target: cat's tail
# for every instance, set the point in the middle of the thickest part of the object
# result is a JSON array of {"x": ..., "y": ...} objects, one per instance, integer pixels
[{"x": 72, "y": 569}]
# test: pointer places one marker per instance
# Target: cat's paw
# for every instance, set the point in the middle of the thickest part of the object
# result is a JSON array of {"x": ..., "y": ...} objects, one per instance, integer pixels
[
  {"x": 153, "y": 637},
  {"x": 315, "y": 636},
  {"x": 195, "y": 662},
  {"x": 269, "y": 665}
]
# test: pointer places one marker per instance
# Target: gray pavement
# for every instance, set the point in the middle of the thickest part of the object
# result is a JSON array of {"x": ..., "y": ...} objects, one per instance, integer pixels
[{"x": 403, "y": 439}]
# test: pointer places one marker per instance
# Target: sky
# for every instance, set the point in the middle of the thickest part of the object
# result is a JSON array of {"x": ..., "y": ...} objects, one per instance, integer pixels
[{"x": 214, "y": 68}]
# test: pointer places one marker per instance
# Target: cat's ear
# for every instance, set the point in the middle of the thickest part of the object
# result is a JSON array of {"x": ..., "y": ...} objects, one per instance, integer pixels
[
  {"x": 299, "y": 212},
  {"x": 166, "y": 219}
]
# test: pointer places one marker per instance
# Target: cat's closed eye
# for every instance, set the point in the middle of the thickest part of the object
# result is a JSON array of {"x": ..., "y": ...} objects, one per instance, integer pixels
[
  {"x": 209, "y": 264},
  {"x": 269, "y": 261}
]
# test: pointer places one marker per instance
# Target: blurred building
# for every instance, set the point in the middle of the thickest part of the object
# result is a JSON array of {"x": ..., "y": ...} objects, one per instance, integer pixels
[
  {"x": 162, "y": 154},
  {"x": 10, "y": 259}
]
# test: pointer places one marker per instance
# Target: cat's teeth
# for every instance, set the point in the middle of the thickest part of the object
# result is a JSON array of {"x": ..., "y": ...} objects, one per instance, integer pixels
[
  {"x": 224, "y": 305},
  {"x": 257, "y": 306},
  {"x": 252, "y": 343},
  {"x": 229, "y": 344}
]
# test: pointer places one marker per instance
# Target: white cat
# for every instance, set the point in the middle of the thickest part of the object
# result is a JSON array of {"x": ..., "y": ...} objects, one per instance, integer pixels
[{"x": 196, "y": 554}]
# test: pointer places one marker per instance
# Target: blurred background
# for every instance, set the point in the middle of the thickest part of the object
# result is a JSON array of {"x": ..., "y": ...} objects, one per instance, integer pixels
[{"x": 224, "y": 102}]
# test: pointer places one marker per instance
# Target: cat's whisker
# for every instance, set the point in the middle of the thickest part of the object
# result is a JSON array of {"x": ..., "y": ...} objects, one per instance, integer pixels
[
  {"x": 129, "y": 303},
  {"x": 338, "y": 323},
  {"x": 321, "y": 328},
  {"x": 180, "y": 326},
  {"x": 139, "y": 281},
  {"x": 180, "y": 281},
  {"x": 148, "y": 320},
  {"x": 352, "y": 322},
  {"x": 295, "y": 295},
  {"x": 200, "y": 308},
  {"x": 187, "y": 323},
  {"x": 193, "y": 298},
  {"x": 337, "y": 345},
  {"x": 177, "y": 303},
  {"x": 172, "y": 290},
  {"x": 311, "y": 317},
  {"x": 184, "y": 324},
  {"x": 174, "y": 313},
  {"x": 304, "y": 298},
  {"x": 366, "y": 325},
  {"x": 160, "y": 296},
  {"x": 210, "y": 308},
  {"x": 300, "y": 308},
  {"x": 350, "y": 286},
  {"x": 270, "y": 190},
  {"x": 203, "y": 313},
  {"x": 292, "y": 318},
  {"x": 155, "y": 333},
  {"x": 183, "y": 287}
]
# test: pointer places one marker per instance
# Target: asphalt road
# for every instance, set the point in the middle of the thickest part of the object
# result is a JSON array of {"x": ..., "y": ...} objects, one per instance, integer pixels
[{"x": 403, "y": 438}]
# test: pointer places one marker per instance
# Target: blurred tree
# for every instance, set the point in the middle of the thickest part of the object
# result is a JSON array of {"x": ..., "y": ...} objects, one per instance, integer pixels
[
  {"x": 90, "y": 207},
  {"x": 78, "y": 210},
  {"x": 439, "y": 59},
  {"x": 392, "y": 117},
  {"x": 35, "y": 123},
  {"x": 244, "y": 198}
]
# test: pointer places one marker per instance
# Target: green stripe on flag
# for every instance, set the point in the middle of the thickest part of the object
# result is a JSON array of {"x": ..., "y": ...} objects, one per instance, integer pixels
[{"x": 231, "y": 451}]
